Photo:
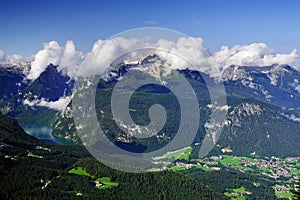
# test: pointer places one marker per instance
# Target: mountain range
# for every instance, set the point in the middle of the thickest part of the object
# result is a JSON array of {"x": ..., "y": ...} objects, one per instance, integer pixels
[{"x": 264, "y": 99}]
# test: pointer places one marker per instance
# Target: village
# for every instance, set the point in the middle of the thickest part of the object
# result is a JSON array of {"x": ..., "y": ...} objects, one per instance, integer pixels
[{"x": 282, "y": 170}]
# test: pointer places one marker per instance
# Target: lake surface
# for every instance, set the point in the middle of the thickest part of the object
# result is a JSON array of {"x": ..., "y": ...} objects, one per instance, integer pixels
[{"x": 44, "y": 132}]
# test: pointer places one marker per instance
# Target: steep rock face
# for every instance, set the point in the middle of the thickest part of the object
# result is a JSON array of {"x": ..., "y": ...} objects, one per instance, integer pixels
[
  {"x": 278, "y": 84},
  {"x": 50, "y": 85},
  {"x": 63, "y": 125},
  {"x": 12, "y": 79},
  {"x": 234, "y": 73},
  {"x": 246, "y": 110},
  {"x": 241, "y": 113}
]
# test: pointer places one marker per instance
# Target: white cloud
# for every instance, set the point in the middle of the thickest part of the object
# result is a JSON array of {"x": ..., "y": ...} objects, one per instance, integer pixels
[
  {"x": 297, "y": 88},
  {"x": 187, "y": 50},
  {"x": 255, "y": 54},
  {"x": 11, "y": 59},
  {"x": 14, "y": 58},
  {"x": 296, "y": 85},
  {"x": 29, "y": 103},
  {"x": 50, "y": 54},
  {"x": 70, "y": 59},
  {"x": 60, "y": 104},
  {"x": 292, "y": 117},
  {"x": 67, "y": 58},
  {"x": 104, "y": 52}
]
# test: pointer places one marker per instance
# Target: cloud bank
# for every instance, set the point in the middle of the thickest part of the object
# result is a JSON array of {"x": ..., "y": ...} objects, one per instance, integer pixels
[
  {"x": 75, "y": 63},
  {"x": 191, "y": 49}
]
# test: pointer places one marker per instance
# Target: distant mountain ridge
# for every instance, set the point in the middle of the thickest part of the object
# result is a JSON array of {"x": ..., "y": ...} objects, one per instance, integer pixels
[
  {"x": 278, "y": 84},
  {"x": 12, "y": 79}
]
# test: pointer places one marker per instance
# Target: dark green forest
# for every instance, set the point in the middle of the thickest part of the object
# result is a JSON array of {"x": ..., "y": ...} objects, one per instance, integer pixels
[
  {"x": 23, "y": 176},
  {"x": 26, "y": 170}
]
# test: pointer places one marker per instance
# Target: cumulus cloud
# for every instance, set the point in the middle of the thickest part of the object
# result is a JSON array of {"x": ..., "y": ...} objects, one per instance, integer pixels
[
  {"x": 14, "y": 58},
  {"x": 185, "y": 50},
  {"x": 11, "y": 59},
  {"x": 256, "y": 54},
  {"x": 70, "y": 59},
  {"x": 67, "y": 58},
  {"x": 60, "y": 104},
  {"x": 104, "y": 52}
]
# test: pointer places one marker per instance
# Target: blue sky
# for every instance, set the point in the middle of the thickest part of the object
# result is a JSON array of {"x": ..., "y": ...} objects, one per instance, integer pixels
[{"x": 25, "y": 25}]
